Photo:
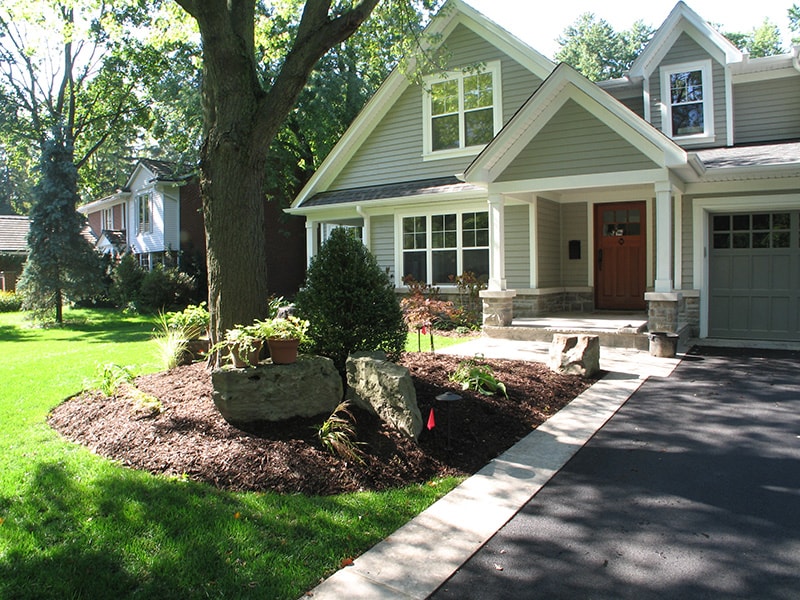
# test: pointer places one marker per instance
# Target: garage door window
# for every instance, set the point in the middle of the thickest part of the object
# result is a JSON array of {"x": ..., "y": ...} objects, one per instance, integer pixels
[{"x": 761, "y": 230}]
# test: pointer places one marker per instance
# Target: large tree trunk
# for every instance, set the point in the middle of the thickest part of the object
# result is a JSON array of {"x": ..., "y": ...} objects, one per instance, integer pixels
[{"x": 241, "y": 119}]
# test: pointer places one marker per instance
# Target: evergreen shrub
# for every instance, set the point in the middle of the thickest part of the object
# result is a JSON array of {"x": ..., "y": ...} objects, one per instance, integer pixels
[
  {"x": 10, "y": 302},
  {"x": 350, "y": 302}
]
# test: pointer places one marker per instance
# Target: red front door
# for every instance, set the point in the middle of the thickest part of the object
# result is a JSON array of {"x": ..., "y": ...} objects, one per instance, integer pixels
[{"x": 620, "y": 256}]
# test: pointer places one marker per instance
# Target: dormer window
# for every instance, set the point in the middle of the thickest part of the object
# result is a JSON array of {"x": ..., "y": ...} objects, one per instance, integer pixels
[
  {"x": 687, "y": 106},
  {"x": 462, "y": 111}
]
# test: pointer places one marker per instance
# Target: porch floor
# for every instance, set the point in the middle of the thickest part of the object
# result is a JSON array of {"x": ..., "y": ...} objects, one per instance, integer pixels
[{"x": 615, "y": 329}]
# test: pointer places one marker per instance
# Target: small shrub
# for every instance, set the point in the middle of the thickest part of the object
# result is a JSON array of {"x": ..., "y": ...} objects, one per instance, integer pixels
[
  {"x": 193, "y": 320},
  {"x": 111, "y": 376},
  {"x": 172, "y": 342},
  {"x": 126, "y": 280},
  {"x": 10, "y": 301},
  {"x": 350, "y": 302},
  {"x": 338, "y": 434},
  {"x": 473, "y": 375},
  {"x": 163, "y": 288},
  {"x": 422, "y": 308},
  {"x": 144, "y": 404}
]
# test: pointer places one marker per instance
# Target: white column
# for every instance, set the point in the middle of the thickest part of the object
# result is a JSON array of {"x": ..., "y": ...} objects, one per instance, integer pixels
[
  {"x": 312, "y": 239},
  {"x": 497, "y": 246},
  {"x": 663, "y": 282}
]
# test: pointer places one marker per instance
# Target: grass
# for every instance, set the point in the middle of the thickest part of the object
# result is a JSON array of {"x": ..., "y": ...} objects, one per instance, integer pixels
[
  {"x": 74, "y": 525},
  {"x": 423, "y": 342}
]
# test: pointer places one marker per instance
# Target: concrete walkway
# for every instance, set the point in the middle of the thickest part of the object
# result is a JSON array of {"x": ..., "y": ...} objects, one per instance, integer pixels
[{"x": 417, "y": 558}]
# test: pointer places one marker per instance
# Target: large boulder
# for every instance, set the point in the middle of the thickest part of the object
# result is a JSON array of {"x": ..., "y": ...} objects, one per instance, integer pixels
[
  {"x": 268, "y": 392},
  {"x": 385, "y": 389},
  {"x": 575, "y": 354}
]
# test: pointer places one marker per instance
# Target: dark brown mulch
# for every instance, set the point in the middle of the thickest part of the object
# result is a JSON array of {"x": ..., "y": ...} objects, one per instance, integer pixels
[{"x": 188, "y": 437}]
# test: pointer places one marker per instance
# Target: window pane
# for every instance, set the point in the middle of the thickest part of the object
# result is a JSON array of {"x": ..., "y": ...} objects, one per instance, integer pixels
[
  {"x": 780, "y": 221},
  {"x": 722, "y": 240},
  {"x": 477, "y": 262},
  {"x": 741, "y": 222},
  {"x": 413, "y": 233},
  {"x": 687, "y": 119},
  {"x": 761, "y": 222},
  {"x": 741, "y": 240},
  {"x": 414, "y": 264},
  {"x": 444, "y": 97},
  {"x": 444, "y": 266},
  {"x": 475, "y": 229},
  {"x": 721, "y": 223},
  {"x": 761, "y": 240},
  {"x": 479, "y": 125},
  {"x": 780, "y": 239},
  {"x": 443, "y": 229},
  {"x": 445, "y": 132},
  {"x": 686, "y": 87},
  {"x": 478, "y": 91}
]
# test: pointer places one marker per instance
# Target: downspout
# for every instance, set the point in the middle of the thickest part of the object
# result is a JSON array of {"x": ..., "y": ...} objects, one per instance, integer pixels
[{"x": 366, "y": 229}]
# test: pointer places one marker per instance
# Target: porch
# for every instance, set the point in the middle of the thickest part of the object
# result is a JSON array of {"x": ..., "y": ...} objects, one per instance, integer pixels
[{"x": 615, "y": 329}]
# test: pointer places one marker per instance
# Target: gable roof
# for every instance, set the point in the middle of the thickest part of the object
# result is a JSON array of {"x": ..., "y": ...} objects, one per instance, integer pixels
[
  {"x": 452, "y": 14},
  {"x": 683, "y": 19},
  {"x": 162, "y": 170},
  {"x": 565, "y": 83},
  {"x": 14, "y": 233}
]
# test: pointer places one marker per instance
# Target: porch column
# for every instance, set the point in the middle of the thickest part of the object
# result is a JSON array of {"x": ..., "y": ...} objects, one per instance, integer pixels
[
  {"x": 497, "y": 246},
  {"x": 312, "y": 240},
  {"x": 663, "y": 249}
]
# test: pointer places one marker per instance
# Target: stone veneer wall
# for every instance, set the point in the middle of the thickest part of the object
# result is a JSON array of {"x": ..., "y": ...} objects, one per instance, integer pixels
[{"x": 534, "y": 305}]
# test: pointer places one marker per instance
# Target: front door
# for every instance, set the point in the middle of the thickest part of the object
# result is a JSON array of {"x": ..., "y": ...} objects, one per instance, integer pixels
[{"x": 620, "y": 256}]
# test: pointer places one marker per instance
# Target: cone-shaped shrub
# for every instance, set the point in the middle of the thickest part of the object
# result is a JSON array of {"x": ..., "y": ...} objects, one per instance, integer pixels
[{"x": 350, "y": 302}]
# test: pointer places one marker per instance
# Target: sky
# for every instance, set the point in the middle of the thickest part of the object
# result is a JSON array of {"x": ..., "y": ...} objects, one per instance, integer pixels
[{"x": 539, "y": 23}]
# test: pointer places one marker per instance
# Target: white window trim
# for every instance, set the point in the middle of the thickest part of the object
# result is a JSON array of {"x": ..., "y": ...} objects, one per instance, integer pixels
[
  {"x": 107, "y": 218},
  {"x": 398, "y": 227},
  {"x": 704, "y": 66},
  {"x": 428, "y": 153}
]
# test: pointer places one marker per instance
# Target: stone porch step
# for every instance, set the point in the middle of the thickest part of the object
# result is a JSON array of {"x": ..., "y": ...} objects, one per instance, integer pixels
[{"x": 615, "y": 331}]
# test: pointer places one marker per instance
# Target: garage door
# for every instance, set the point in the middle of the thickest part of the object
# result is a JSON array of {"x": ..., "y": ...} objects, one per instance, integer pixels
[{"x": 754, "y": 276}]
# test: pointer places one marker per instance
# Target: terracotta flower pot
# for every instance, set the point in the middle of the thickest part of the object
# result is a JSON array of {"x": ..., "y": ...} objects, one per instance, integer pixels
[
  {"x": 242, "y": 358},
  {"x": 283, "y": 352}
]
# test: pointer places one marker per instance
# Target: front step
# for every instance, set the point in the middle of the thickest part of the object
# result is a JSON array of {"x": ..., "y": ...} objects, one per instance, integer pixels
[{"x": 522, "y": 330}]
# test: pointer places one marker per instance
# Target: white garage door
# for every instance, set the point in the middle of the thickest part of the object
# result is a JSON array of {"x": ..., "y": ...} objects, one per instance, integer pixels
[{"x": 754, "y": 276}]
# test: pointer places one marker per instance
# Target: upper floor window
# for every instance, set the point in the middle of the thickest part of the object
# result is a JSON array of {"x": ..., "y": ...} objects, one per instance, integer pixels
[
  {"x": 687, "y": 101},
  {"x": 462, "y": 111},
  {"x": 145, "y": 206},
  {"x": 107, "y": 219}
]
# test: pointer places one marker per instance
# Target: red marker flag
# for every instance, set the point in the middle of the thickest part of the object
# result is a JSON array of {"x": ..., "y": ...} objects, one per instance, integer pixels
[{"x": 431, "y": 421}]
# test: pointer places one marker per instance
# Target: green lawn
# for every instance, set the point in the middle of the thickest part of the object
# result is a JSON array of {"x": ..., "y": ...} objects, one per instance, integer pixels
[{"x": 73, "y": 525}]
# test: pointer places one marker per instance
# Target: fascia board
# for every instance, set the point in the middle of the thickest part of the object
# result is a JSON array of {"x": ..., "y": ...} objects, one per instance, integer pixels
[
  {"x": 103, "y": 203},
  {"x": 400, "y": 201}
]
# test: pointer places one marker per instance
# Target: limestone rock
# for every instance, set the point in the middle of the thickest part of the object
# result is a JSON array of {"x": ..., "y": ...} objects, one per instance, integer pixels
[
  {"x": 575, "y": 354},
  {"x": 385, "y": 389},
  {"x": 267, "y": 392}
]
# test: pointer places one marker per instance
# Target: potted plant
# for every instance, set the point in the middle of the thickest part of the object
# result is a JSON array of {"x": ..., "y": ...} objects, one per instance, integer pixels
[
  {"x": 243, "y": 346},
  {"x": 283, "y": 336},
  {"x": 192, "y": 324}
]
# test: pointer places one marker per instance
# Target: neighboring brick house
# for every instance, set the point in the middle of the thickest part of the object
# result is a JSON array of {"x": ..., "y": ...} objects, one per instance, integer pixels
[
  {"x": 13, "y": 249},
  {"x": 674, "y": 189}
]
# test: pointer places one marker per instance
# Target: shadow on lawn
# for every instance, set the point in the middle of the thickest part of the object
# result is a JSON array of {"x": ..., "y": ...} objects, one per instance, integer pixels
[{"x": 152, "y": 537}]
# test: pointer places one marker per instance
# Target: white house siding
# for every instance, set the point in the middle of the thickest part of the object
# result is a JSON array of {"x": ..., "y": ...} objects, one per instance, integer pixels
[
  {"x": 382, "y": 243},
  {"x": 171, "y": 220},
  {"x": 767, "y": 110},
  {"x": 575, "y": 226},
  {"x": 154, "y": 240},
  {"x": 518, "y": 246},
  {"x": 393, "y": 151},
  {"x": 575, "y": 142},
  {"x": 686, "y": 50}
]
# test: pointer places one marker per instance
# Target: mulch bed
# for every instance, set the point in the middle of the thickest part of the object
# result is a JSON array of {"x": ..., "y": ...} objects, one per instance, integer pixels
[{"x": 188, "y": 437}]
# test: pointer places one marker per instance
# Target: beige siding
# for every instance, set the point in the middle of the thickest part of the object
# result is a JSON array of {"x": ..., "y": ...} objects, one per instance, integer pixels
[
  {"x": 574, "y": 226},
  {"x": 393, "y": 151},
  {"x": 685, "y": 50},
  {"x": 575, "y": 142},
  {"x": 518, "y": 246},
  {"x": 767, "y": 110},
  {"x": 687, "y": 240},
  {"x": 382, "y": 243},
  {"x": 548, "y": 242}
]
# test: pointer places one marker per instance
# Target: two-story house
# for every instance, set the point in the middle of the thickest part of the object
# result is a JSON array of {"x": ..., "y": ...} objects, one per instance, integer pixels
[
  {"x": 675, "y": 189},
  {"x": 156, "y": 216}
]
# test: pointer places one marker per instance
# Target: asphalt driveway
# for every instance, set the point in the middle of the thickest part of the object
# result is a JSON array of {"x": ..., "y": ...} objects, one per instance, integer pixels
[{"x": 692, "y": 490}]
